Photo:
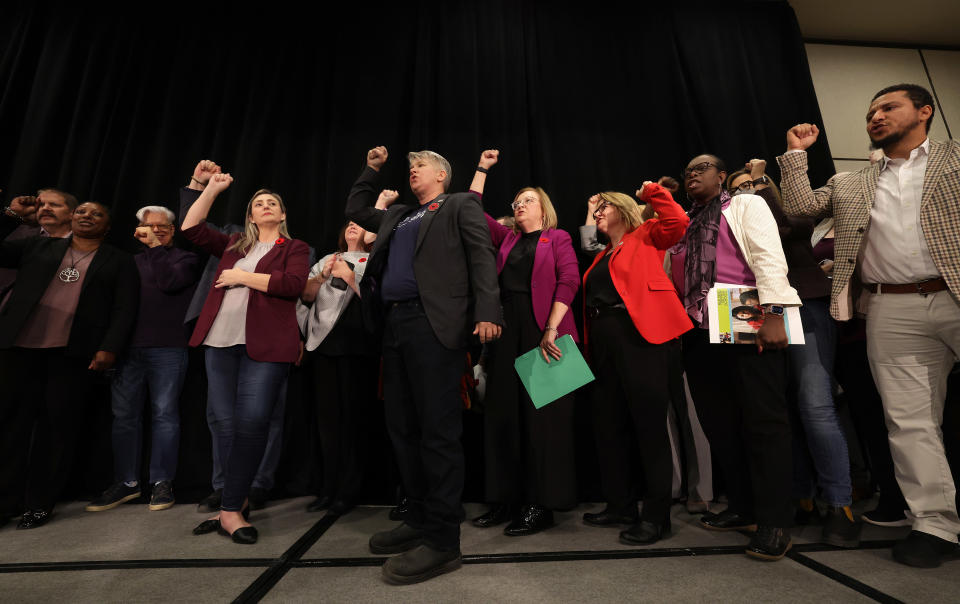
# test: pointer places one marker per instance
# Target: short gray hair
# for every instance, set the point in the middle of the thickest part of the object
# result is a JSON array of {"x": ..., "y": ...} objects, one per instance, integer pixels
[
  {"x": 167, "y": 213},
  {"x": 436, "y": 159}
]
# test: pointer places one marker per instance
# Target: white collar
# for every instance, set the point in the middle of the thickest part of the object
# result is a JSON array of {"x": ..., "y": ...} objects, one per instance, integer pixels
[{"x": 924, "y": 147}]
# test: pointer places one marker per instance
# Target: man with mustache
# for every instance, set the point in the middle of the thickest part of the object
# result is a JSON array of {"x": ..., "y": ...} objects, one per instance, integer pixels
[{"x": 897, "y": 260}]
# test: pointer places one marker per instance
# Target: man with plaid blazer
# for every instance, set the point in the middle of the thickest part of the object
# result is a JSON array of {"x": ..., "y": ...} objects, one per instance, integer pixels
[{"x": 897, "y": 260}]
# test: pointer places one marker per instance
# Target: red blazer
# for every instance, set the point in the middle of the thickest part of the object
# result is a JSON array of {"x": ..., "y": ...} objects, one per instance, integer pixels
[
  {"x": 636, "y": 268},
  {"x": 273, "y": 334}
]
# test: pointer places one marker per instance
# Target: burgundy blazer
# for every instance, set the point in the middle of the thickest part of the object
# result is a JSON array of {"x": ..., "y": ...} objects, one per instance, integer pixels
[
  {"x": 555, "y": 276},
  {"x": 273, "y": 334}
]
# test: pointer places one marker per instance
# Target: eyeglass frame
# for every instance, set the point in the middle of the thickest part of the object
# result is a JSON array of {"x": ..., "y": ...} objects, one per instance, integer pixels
[
  {"x": 159, "y": 227},
  {"x": 699, "y": 169},
  {"x": 603, "y": 205},
  {"x": 521, "y": 203}
]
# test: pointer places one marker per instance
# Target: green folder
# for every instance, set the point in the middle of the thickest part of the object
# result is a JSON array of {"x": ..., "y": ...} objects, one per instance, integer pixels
[{"x": 546, "y": 382}]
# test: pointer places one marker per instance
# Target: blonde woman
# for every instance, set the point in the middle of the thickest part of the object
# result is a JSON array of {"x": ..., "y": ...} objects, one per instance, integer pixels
[{"x": 249, "y": 329}]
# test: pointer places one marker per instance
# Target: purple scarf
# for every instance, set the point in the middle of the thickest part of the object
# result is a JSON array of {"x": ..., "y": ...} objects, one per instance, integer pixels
[{"x": 700, "y": 267}]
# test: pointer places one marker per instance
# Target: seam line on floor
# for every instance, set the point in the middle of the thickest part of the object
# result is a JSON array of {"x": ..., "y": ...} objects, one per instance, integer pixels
[{"x": 843, "y": 579}]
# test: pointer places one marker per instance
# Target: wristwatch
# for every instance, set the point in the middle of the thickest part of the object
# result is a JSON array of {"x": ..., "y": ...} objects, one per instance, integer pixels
[{"x": 773, "y": 309}]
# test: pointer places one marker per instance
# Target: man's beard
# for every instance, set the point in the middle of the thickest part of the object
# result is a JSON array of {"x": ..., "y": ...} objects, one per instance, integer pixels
[{"x": 894, "y": 137}]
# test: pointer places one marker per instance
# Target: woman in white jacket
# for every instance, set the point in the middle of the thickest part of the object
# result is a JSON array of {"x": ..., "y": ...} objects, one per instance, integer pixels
[
  {"x": 739, "y": 390},
  {"x": 343, "y": 359}
]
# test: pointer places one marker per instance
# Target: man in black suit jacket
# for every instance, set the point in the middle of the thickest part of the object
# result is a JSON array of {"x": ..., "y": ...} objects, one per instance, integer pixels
[
  {"x": 431, "y": 279},
  {"x": 69, "y": 316}
]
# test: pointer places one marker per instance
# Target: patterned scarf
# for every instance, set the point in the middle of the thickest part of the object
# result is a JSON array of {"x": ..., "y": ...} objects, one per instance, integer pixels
[{"x": 700, "y": 267}]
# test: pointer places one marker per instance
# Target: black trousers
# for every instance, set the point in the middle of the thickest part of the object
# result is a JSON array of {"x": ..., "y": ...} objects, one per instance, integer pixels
[
  {"x": 45, "y": 397},
  {"x": 630, "y": 402},
  {"x": 345, "y": 388},
  {"x": 528, "y": 452},
  {"x": 424, "y": 414},
  {"x": 740, "y": 397}
]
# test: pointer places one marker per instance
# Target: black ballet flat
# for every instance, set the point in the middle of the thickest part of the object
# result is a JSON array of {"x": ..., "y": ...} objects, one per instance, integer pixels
[
  {"x": 207, "y": 526},
  {"x": 245, "y": 535}
]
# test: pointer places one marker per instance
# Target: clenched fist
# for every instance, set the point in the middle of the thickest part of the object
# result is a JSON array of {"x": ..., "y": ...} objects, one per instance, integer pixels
[
  {"x": 204, "y": 170},
  {"x": 24, "y": 206},
  {"x": 488, "y": 158},
  {"x": 801, "y": 136},
  {"x": 146, "y": 236},
  {"x": 376, "y": 157},
  {"x": 386, "y": 199},
  {"x": 219, "y": 183},
  {"x": 756, "y": 167}
]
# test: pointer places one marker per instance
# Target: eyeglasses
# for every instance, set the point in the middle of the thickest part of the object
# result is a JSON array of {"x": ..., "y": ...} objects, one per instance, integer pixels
[
  {"x": 159, "y": 227},
  {"x": 750, "y": 184},
  {"x": 521, "y": 203},
  {"x": 600, "y": 208},
  {"x": 699, "y": 169}
]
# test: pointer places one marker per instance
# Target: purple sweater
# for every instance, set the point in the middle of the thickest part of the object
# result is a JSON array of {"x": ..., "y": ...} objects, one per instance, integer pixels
[{"x": 168, "y": 277}]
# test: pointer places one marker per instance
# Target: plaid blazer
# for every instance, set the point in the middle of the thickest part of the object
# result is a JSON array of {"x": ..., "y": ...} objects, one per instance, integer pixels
[{"x": 850, "y": 199}]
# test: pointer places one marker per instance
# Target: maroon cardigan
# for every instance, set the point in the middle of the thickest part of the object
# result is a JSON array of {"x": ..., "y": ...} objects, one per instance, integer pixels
[{"x": 273, "y": 334}]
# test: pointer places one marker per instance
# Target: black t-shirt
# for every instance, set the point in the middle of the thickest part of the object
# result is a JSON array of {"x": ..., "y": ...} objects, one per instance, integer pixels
[
  {"x": 517, "y": 271},
  {"x": 599, "y": 290},
  {"x": 399, "y": 281}
]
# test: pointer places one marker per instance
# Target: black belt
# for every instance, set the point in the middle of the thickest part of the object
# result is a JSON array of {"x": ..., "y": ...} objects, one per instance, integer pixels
[
  {"x": 410, "y": 302},
  {"x": 595, "y": 311}
]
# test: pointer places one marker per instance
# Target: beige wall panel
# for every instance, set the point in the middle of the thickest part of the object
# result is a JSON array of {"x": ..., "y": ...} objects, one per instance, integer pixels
[
  {"x": 944, "y": 66},
  {"x": 847, "y": 77}
]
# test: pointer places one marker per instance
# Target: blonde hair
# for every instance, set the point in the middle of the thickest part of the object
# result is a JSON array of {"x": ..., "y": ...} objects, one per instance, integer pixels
[
  {"x": 627, "y": 206},
  {"x": 251, "y": 232},
  {"x": 546, "y": 206}
]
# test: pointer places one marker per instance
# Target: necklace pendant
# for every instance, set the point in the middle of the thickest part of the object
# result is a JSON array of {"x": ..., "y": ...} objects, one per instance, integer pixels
[{"x": 69, "y": 275}]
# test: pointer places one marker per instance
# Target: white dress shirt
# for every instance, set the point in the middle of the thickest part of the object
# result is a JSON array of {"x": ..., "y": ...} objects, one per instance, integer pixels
[{"x": 894, "y": 249}]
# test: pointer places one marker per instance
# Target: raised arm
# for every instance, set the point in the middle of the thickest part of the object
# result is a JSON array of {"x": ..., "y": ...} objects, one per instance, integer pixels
[
  {"x": 361, "y": 204},
  {"x": 672, "y": 223},
  {"x": 588, "y": 232},
  {"x": 798, "y": 198},
  {"x": 488, "y": 159},
  {"x": 198, "y": 181}
]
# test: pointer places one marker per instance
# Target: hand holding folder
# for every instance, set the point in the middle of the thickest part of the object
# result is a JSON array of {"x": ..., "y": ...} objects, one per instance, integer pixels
[{"x": 546, "y": 382}]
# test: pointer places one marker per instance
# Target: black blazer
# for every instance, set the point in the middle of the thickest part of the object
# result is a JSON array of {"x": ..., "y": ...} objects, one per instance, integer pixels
[
  {"x": 453, "y": 260},
  {"x": 107, "y": 309}
]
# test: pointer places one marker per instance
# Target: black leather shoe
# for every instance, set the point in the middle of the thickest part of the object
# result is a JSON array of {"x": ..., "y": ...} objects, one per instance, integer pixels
[
  {"x": 320, "y": 503},
  {"x": 922, "y": 550},
  {"x": 340, "y": 507},
  {"x": 497, "y": 514},
  {"x": 420, "y": 564},
  {"x": 207, "y": 526},
  {"x": 397, "y": 540},
  {"x": 645, "y": 533},
  {"x": 839, "y": 527},
  {"x": 32, "y": 519},
  {"x": 728, "y": 521},
  {"x": 210, "y": 503},
  {"x": 245, "y": 535},
  {"x": 608, "y": 518},
  {"x": 533, "y": 519},
  {"x": 400, "y": 512},
  {"x": 769, "y": 543}
]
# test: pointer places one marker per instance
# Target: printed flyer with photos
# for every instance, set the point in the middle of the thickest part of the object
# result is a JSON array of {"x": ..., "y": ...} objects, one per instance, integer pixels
[{"x": 735, "y": 315}]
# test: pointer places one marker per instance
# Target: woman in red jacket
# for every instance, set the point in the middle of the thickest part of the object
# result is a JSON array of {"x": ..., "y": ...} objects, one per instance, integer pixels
[
  {"x": 633, "y": 319},
  {"x": 249, "y": 328}
]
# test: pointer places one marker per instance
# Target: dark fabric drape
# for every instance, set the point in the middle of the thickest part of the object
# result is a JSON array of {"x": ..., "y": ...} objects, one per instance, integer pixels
[{"x": 601, "y": 96}]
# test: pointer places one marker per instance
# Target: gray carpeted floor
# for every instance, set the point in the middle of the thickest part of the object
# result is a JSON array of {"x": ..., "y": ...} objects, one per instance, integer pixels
[{"x": 132, "y": 555}]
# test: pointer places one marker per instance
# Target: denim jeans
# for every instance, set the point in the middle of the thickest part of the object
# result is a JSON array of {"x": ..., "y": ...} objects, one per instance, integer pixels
[
  {"x": 812, "y": 368},
  {"x": 241, "y": 395},
  {"x": 159, "y": 371},
  {"x": 271, "y": 456}
]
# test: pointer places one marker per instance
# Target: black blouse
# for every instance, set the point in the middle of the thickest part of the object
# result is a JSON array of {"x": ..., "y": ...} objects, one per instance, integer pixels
[
  {"x": 518, "y": 269},
  {"x": 599, "y": 289}
]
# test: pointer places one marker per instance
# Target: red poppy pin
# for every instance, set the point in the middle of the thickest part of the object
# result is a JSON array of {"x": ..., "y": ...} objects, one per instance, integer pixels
[
  {"x": 433, "y": 207},
  {"x": 280, "y": 241},
  {"x": 544, "y": 240},
  {"x": 362, "y": 260}
]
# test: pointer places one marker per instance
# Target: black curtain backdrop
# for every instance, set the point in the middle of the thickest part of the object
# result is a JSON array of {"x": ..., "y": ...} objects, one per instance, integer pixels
[{"x": 119, "y": 107}]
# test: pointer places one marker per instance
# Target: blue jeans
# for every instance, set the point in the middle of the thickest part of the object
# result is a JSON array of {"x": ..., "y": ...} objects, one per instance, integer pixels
[
  {"x": 271, "y": 456},
  {"x": 241, "y": 396},
  {"x": 812, "y": 367},
  {"x": 159, "y": 371}
]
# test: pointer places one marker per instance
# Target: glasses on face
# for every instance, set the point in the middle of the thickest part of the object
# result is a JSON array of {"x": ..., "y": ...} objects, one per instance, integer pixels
[
  {"x": 750, "y": 184},
  {"x": 159, "y": 227},
  {"x": 521, "y": 203},
  {"x": 600, "y": 208},
  {"x": 699, "y": 169}
]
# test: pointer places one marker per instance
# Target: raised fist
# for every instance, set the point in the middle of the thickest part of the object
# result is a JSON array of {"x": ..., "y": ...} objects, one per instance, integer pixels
[
  {"x": 204, "y": 170},
  {"x": 801, "y": 136},
  {"x": 669, "y": 183},
  {"x": 488, "y": 158},
  {"x": 376, "y": 157},
  {"x": 642, "y": 187},
  {"x": 755, "y": 167},
  {"x": 219, "y": 183},
  {"x": 146, "y": 236},
  {"x": 593, "y": 202},
  {"x": 386, "y": 199},
  {"x": 24, "y": 205}
]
